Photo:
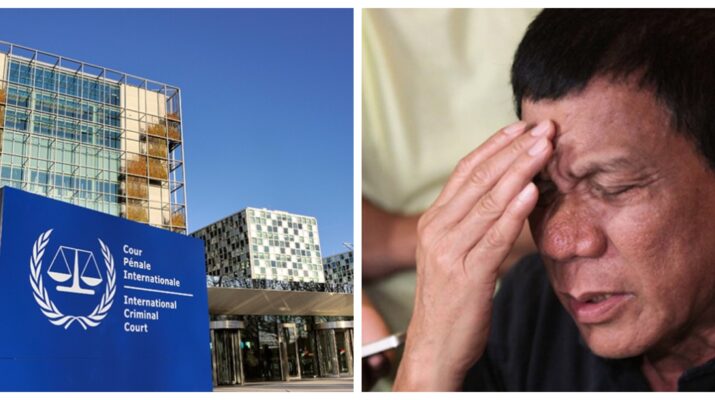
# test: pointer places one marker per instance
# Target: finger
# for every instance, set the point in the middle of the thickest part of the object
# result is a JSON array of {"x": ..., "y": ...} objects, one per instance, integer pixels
[
  {"x": 380, "y": 364},
  {"x": 483, "y": 261},
  {"x": 487, "y": 174},
  {"x": 487, "y": 149},
  {"x": 494, "y": 203}
]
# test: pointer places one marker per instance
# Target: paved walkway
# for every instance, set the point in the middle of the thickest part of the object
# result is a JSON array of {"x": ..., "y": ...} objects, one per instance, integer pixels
[{"x": 306, "y": 385}]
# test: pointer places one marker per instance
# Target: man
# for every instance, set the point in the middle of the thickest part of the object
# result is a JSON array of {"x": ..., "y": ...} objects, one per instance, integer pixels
[
  {"x": 614, "y": 164},
  {"x": 435, "y": 82}
]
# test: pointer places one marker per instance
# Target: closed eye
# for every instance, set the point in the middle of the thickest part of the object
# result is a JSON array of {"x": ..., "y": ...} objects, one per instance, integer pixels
[{"x": 612, "y": 192}]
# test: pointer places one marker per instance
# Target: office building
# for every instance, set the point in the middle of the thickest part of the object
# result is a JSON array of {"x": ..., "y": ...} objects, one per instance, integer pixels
[
  {"x": 91, "y": 136},
  {"x": 264, "y": 244},
  {"x": 339, "y": 268},
  {"x": 273, "y": 314}
]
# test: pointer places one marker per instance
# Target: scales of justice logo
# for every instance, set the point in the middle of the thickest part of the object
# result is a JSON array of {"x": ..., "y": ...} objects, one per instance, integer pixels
[{"x": 76, "y": 272}]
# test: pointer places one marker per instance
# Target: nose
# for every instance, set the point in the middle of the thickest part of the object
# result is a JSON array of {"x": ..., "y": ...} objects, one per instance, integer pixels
[{"x": 569, "y": 229}]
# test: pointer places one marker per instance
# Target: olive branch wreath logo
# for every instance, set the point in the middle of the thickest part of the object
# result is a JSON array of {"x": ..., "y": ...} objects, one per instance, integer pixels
[{"x": 48, "y": 307}]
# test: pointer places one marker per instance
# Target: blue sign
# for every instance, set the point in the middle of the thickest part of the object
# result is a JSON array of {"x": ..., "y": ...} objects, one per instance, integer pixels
[{"x": 92, "y": 302}]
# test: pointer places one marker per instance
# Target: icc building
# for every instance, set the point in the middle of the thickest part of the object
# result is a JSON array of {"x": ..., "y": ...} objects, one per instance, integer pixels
[
  {"x": 92, "y": 136},
  {"x": 270, "y": 307},
  {"x": 279, "y": 311}
]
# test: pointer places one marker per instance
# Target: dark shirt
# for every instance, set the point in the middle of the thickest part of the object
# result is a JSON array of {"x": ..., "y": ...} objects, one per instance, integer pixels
[{"x": 534, "y": 345}]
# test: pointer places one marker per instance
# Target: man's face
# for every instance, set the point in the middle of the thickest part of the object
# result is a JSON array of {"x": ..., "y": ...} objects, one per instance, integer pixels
[{"x": 625, "y": 221}]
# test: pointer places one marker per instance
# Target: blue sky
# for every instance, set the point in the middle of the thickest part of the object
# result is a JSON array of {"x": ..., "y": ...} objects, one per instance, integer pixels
[{"x": 267, "y": 99}]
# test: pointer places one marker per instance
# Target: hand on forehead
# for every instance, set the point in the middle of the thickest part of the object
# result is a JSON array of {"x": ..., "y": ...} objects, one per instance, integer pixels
[{"x": 605, "y": 129}]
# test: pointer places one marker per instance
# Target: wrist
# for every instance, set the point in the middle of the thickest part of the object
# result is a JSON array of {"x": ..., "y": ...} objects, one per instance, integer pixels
[
  {"x": 402, "y": 242},
  {"x": 426, "y": 366},
  {"x": 419, "y": 373}
]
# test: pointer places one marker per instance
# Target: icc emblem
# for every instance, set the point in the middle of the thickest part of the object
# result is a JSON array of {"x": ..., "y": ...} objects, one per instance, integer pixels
[{"x": 75, "y": 271}]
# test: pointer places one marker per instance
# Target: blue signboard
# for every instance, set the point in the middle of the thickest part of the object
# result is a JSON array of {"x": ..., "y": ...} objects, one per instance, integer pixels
[{"x": 92, "y": 302}]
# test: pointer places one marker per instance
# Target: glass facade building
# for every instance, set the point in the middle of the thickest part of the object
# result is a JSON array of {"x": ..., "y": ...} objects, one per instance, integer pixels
[
  {"x": 91, "y": 136},
  {"x": 339, "y": 268},
  {"x": 279, "y": 318},
  {"x": 264, "y": 244}
]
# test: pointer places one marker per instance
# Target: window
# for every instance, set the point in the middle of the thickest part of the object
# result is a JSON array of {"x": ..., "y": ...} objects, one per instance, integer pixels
[
  {"x": 68, "y": 84},
  {"x": 44, "y": 79},
  {"x": 43, "y": 125},
  {"x": 20, "y": 73},
  {"x": 18, "y": 97},
  {"x": 17, "y": 174}
]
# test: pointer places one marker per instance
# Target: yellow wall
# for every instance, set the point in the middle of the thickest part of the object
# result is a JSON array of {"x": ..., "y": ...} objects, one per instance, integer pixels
[
  {"x": 141, "y": 109},
  {"x": 3, "y": 60}
]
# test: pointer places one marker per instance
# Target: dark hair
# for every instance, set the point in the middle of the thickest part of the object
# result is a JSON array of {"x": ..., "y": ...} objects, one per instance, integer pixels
[{"x": 671, "y": 52}]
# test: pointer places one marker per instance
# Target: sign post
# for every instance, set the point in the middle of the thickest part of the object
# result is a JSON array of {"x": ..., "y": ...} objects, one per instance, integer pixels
[{"x": 93, "y": 302}]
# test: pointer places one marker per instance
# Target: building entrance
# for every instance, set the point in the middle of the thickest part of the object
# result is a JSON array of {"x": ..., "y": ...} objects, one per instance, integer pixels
[
  {"x": 226, "y": 357},
  {"x": 240, "y": 354},
  {"x": 335, "y": 348},
  {"x": 263, "y": 350},
  {"x": 289, "y": 358}
]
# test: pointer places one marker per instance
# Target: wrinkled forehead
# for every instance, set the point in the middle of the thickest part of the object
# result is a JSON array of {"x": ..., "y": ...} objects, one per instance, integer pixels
[{"x": 615, "y": 124}]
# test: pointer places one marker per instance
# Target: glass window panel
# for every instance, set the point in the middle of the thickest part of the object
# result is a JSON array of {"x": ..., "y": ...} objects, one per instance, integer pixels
[
  {"x": 17, "y": 174},
  {"x": 19, "y": 97}
]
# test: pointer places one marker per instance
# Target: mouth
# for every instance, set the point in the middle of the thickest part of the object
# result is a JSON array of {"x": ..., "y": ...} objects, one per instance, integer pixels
[{"x": 597, "y": 307}]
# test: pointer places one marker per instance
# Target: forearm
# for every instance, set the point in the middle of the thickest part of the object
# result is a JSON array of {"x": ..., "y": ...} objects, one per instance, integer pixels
[{"x": 389, "y": 241}]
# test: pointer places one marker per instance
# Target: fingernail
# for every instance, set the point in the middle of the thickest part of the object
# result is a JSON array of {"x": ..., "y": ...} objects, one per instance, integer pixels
[
  {"x": 515, "y": 128},
  {"x": 539, "y": 147},
  {"x": 526, "y": 192},
  {"x": 541, "y": 129}
]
